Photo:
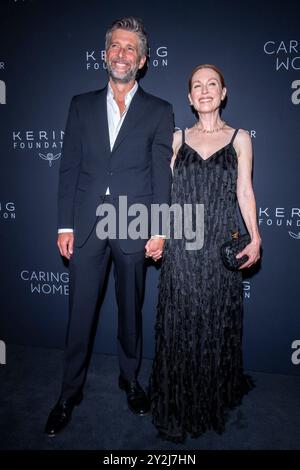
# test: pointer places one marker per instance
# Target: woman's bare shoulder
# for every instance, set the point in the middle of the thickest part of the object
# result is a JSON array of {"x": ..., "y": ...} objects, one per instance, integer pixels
[
  {"x": 243, "y": 143},
  {"x": 243, "y": 136},
  {"x": 177, "y": 135},
  {"x": 177, "y": 139}
]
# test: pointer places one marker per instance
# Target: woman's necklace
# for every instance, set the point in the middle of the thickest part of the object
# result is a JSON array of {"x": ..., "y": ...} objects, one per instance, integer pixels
[{"x": 208, "y": 131}]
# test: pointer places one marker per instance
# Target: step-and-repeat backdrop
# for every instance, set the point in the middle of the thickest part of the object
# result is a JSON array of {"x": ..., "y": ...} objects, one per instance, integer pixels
[{"x": 53, "y": 49}]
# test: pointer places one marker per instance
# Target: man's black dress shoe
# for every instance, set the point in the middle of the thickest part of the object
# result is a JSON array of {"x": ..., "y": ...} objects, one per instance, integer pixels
[
  {"x": 137, "y": 400},
  {"x": 61, "y": 414}
]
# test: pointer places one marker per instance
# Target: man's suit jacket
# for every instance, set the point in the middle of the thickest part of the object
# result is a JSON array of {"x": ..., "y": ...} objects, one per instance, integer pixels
[{"x": 138, "y": 165}]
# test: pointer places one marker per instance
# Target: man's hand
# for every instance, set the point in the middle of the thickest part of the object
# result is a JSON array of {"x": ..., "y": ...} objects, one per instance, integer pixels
[
  {"x": 65, "y": 243},
  {"x": 154, "y": 248}
]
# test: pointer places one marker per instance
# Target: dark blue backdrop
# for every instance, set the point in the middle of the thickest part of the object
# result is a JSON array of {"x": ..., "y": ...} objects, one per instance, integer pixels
[{"x": 51, "y": 50}]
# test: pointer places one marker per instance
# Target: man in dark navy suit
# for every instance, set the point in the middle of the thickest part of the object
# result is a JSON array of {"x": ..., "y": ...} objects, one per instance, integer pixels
[{"x": 118, "y": 142}]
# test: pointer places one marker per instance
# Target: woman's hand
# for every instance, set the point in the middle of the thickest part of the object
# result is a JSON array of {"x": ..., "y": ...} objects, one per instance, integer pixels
[{"x": 252, "y": 250}]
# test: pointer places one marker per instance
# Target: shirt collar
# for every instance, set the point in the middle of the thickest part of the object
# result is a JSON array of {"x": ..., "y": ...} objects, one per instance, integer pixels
[{"x": 128, "y": 96}]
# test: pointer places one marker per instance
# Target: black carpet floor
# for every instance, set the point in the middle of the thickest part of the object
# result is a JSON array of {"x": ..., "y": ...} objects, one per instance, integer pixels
[{"x": 269, "y": 417}]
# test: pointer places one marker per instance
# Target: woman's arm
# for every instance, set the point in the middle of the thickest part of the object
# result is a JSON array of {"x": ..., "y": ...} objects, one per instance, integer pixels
[
  {"x": 246, "y": 198},
  {"x": 177, "y": 141}
]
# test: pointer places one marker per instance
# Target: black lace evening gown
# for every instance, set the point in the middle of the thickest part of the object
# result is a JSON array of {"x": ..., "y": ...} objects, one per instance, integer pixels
[{"x": 197, "y": 371}]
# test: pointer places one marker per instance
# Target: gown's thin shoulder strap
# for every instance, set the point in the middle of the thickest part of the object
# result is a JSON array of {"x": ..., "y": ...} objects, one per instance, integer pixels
[
  {"x": 234, "y": 135},
  {"x": 183, "y": 136}
]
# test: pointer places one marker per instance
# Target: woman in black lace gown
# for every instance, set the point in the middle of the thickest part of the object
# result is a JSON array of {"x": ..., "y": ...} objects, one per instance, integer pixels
[{"x": 197, "y": 371}]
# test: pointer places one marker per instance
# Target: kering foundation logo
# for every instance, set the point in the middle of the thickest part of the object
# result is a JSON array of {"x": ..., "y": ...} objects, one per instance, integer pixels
[
  {"x": 7, "y": 210},
  {"x": 50, "y": 157},
  {"x": 247, "y": 289},
  {"x": 48, "y": 141},
  {"x": 281, "y": 218},
  {"x": 46, "y": 282},
  {"x": 157, "y": 58}
]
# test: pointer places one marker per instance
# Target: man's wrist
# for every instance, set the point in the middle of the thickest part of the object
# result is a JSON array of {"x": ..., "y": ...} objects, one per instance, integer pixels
[
  {"x": 65, "y": 230},
  {"x": 158, "y": 236}
]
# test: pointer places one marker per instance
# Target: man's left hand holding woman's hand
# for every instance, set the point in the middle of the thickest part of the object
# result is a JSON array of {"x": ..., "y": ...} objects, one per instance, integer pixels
[{"x": 154, "y": 247}]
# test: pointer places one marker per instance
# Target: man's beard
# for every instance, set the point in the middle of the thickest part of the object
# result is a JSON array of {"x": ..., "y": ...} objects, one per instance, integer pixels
[{"x": 122, "y": 77}]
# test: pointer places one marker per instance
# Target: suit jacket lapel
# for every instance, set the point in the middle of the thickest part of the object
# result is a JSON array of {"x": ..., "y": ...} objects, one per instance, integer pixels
[
  {"x": 99, "y": 124},
  {"x": 133, "y": 116}
]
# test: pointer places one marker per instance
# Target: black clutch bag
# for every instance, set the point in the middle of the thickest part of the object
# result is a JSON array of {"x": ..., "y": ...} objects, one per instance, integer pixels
[{"x": 230, "y": 249}]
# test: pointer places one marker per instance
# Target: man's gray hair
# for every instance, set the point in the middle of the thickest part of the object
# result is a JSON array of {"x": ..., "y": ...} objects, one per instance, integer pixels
[{"x": 132, "y": 24}]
